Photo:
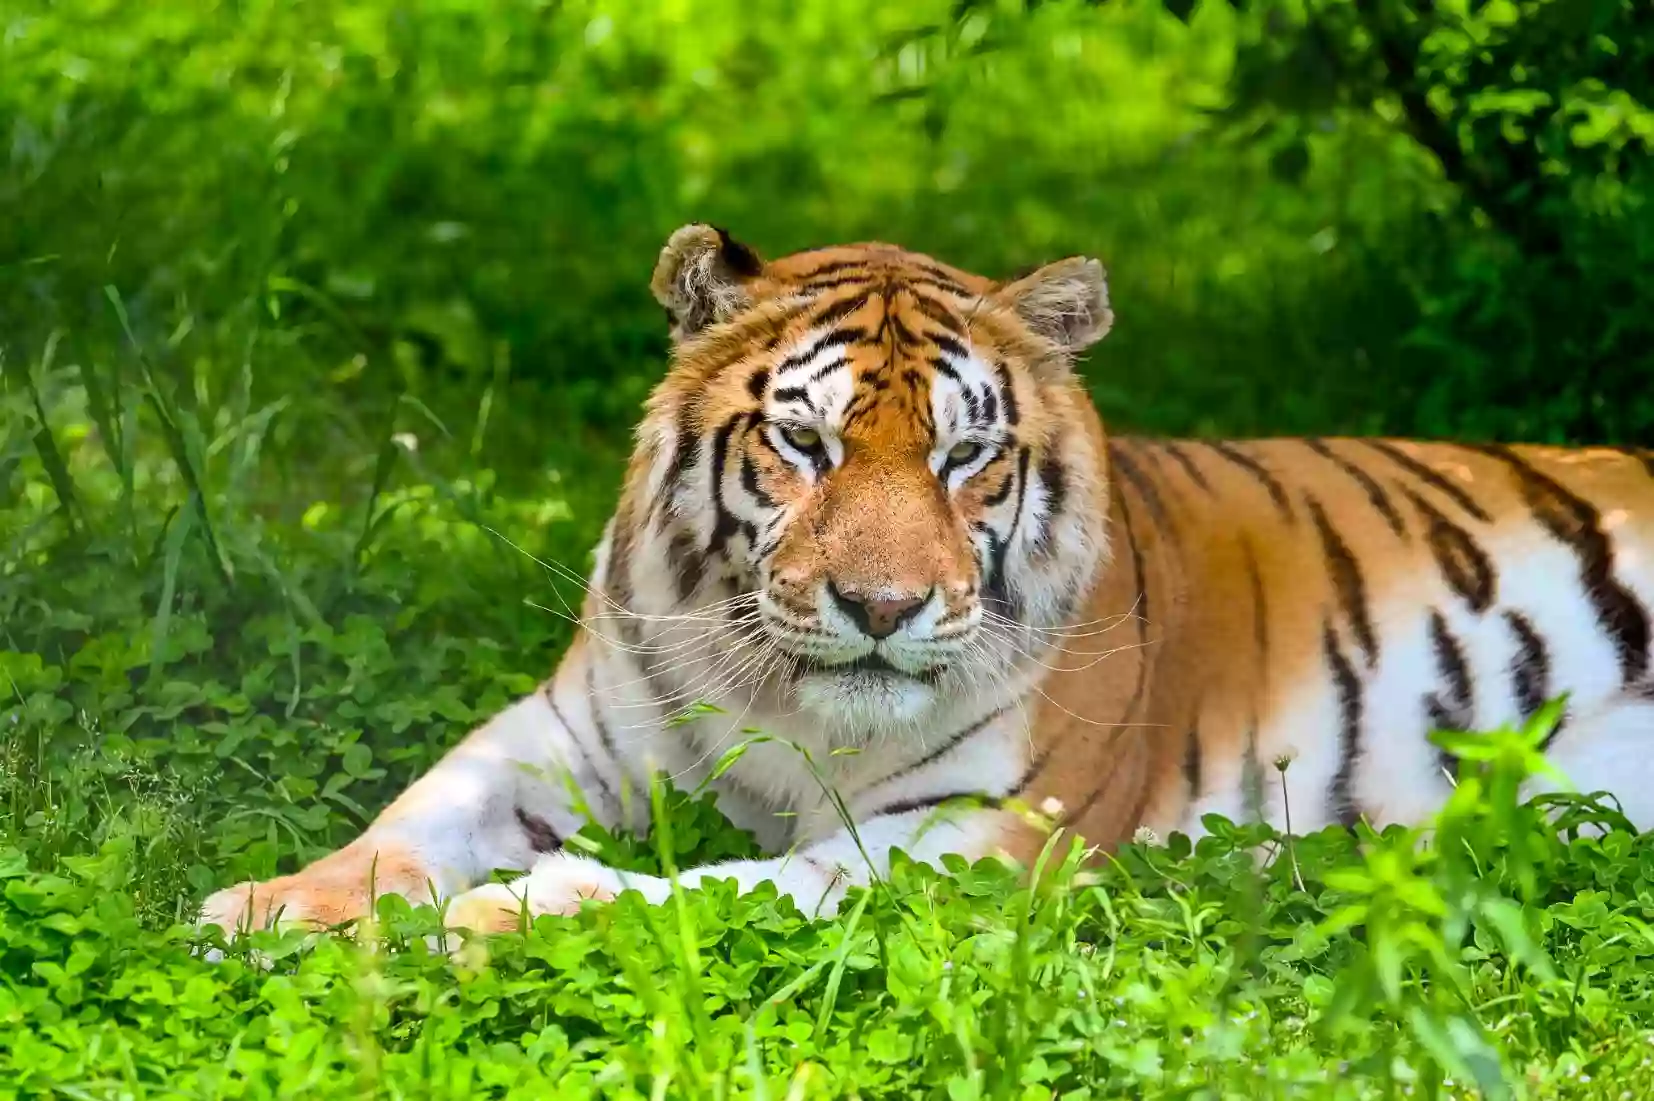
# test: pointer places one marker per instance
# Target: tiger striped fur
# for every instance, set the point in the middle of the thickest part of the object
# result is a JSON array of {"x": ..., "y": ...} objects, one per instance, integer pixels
[{"x": 871, "y": 508}]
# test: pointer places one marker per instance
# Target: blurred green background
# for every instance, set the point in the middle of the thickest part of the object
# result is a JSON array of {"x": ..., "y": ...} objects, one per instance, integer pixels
[
  {"x": 299, "y": 300},
  {"x": 472, "y": 193}
]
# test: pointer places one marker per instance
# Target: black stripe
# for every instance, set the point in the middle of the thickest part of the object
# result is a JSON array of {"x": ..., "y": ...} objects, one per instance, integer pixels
[
  {"x": 1022, "y": 492},
  {"x": 758, "y": 383},
  {"x": 826, "y": 369},
  {"x": 1035, "y": 767},
  {"x": 940, "y": 282},
  {"x": 1143, "y": 612},
  {"x": 838, "y": 338},
  {"x": 1053, "y": 476},
  {"x": 998, "y": 586},
  {"x": 899, "y": 329},
  {"x": 947, "y": 344},
  {"x": 943, "y": 367},
  {"x": 1007, "y": 393},
  {"x": 592, "y": 705},
  {"x": 831, "y": 267},
  {"x": 1145, "y": 488},
  {"x": 617, "y": 580},
  {"x": 1258, "y": 472},
  {"x": 839, "y": 310},
  {"x": 724, "y": 522},
  {"x": 1467, "y": 568},
  {"x": 1429, "y": 476},
  {"x": 1181, "y": 457},
  {"x": 1576, "y": 523},
  {"x": 1347, "y": 581},
  {"x": 541, "y": 837},
  {"x": 853, "y": 279},
  {"x": 749, "y": 481},
  {"x": 936, "y": 271},
  {"x": 1252, "y": 773},
  {"x": 1451, "y": 709},
  {"x": 1192, "y": 761},
  {"x": 998, "y": 496},
  {"x": 944, "y": 749},
  {"x": 1530, "y": 668},
  {"x": 904, "y": 806},
  {"x": 994, "y": 587},
  {"x": 1369, "y": 485},
  {"x": 937, "y": 312},
  {"x": 1341, "y": 801},
  {"x": 990, "y": 405},
  {"x": 1252, "y": 770},
  {"x": 574, "y": 738},
  {"x": 687, "y": 564},
  {"x": 685, "y": 448},
  {"x": 1260, "y": 606},
  {"x": 791, "y": 393}
]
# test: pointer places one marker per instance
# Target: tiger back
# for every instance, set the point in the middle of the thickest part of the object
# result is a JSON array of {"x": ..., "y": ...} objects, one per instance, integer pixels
[{"x": 1326, "y": 604}]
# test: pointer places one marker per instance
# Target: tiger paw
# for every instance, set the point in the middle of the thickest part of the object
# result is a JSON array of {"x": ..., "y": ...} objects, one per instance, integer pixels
[
  {"x": 557, "y": 884},
  {"x": 251, "y": 905},
  {"x": 490, "y": 908}
]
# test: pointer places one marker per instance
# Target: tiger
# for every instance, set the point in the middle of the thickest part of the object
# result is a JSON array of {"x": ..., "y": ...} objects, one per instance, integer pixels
[{"x": 874, "y": 533}]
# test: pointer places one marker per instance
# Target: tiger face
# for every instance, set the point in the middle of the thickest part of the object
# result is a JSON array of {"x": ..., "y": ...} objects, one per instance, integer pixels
[{"x": 878, "y": 466}]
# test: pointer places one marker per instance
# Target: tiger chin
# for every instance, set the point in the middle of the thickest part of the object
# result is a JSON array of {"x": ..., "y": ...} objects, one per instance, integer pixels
[{"x": 871, "y": 507}]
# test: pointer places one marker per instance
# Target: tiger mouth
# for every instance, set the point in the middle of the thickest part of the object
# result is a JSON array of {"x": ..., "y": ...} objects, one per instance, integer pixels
[{"x": 872, "y": 663}]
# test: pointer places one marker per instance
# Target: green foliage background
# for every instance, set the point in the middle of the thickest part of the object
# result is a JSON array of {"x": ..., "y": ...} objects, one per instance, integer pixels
[{"x": 318, "y": 320}]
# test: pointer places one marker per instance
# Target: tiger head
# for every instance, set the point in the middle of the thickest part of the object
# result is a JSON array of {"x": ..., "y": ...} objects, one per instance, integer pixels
[{"x": 877, "y": 469}]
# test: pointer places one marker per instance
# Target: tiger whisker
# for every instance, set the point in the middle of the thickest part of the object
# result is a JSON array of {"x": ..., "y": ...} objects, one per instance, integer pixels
[
  {"x": 1070, "y": 630},
  {"x": 775, "y": 656},
  {"x": 1034, "y": 686},
  {"x": 1096, "y": 656},
  {"x": 728, "y": 668},
  {"x": 568, "y": 573}
]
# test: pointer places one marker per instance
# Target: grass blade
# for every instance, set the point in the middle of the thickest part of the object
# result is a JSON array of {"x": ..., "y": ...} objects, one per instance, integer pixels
[
  {"x": 383, "y": 464},
  {"x": 104, "y": 405},
  {"x": 175, "y": 537},
  {"x": 45, "y": 444},
  {"x": 176, "y": 444}
]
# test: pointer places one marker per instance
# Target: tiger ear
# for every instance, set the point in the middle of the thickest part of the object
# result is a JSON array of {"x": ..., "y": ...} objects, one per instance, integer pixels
[
  {"x": 700, "y": 278},
  {"x": 1065, "y": 302}
]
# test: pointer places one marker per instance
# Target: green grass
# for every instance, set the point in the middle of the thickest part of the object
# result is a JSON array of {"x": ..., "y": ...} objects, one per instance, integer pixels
[{"x": 310, "y": 315}]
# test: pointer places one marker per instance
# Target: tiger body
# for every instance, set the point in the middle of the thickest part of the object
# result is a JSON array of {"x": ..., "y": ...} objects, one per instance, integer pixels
[{"x": 873, "y": 516}]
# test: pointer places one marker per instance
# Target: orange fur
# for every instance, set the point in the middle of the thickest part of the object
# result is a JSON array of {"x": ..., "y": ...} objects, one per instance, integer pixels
[{"x": 337, "y": 888}]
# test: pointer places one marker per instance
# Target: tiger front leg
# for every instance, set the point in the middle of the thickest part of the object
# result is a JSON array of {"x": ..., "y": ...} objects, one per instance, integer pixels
[
  {"x": 506, "y": 794},
  {"x": 815, "y": 876}
]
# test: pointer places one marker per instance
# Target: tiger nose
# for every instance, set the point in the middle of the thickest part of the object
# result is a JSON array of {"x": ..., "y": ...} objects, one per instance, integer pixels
[{"x": 876, "y": 618}]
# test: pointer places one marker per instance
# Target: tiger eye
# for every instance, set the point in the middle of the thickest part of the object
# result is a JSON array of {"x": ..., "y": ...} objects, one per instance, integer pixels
[
  {"x": 805, "y": 439},
  {"x": 964, "y": 452}
]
